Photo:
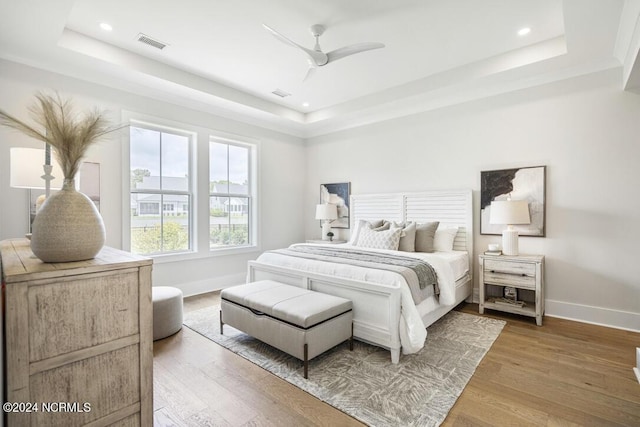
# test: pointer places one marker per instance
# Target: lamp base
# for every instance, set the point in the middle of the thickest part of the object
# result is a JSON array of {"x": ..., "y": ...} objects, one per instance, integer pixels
[
  {"x": 510, "y": 242},
  {"x": 326, "y": 229}
]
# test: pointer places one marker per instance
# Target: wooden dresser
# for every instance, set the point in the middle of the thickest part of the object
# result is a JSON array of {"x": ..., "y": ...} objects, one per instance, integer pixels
[{"x": 78, "y": 339}]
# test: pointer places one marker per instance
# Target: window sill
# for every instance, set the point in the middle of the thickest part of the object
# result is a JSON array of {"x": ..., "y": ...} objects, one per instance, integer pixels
[{"x": 213, "y": 253}]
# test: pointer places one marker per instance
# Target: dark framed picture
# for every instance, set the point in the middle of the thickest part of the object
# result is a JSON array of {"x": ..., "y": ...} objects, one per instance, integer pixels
[
  {"x": 527, "y": 183},
  {"x": 337, "y": 194}
]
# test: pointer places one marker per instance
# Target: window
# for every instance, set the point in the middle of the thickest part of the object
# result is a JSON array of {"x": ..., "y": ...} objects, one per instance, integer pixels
[
  {"x": 231, "y": 193},
  {"x": 176, "y": 206},
  {"x": 159, "y": 168}
]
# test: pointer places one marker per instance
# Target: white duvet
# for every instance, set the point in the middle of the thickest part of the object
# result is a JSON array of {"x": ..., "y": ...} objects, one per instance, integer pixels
[{"x": 412, "y": 331}]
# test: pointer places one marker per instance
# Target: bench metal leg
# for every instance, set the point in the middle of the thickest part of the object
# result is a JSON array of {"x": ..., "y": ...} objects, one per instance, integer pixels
[
  {"x": 306, "y": 361},
  {"x": 221, "y": 323},
  {"x": 351, "y": 339}
]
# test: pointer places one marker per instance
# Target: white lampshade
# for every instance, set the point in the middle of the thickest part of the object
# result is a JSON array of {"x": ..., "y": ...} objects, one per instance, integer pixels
[
  {"x": 326, "y": 211},
  {"x": 509, "y": 212},
  {"x": 26, "y": 169}
]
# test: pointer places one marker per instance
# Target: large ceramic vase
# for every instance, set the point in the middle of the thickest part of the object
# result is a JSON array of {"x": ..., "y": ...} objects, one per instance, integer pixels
[{"x": 68, "y": 227}]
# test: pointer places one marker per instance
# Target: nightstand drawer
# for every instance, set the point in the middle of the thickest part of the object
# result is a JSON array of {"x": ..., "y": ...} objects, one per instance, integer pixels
[
  {"x": 510, "y": 279},
  {"x": 507, "y": 267}
]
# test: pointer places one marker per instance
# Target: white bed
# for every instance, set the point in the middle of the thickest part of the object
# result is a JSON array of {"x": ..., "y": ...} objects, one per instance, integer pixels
[{"x": 384, "y": 312}]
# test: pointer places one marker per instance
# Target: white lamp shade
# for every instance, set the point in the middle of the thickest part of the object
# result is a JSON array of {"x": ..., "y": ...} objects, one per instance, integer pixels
[
  {"x": 509, "y": 212},
  {"x": 326, "y": 211},
  {"x": 27, "y": 171}
]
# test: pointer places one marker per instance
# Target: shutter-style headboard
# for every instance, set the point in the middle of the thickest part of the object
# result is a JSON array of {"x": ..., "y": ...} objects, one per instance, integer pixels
[{"x": 450, "y": 207}]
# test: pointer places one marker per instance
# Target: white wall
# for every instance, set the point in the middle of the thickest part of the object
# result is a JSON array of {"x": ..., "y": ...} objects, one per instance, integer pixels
[
  {"x": 585, "y": 130},
  {"x": 282, "y": 157}
]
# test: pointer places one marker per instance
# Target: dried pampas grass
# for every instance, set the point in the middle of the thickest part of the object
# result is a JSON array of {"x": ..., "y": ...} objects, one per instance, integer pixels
[{"x": 70, "y": 133}]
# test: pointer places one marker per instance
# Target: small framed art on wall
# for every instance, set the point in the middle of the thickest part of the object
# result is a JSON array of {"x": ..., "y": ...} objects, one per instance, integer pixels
[{"x": 337, "y": 194}]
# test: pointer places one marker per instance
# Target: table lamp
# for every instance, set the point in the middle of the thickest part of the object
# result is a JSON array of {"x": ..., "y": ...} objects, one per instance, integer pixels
[
  {"x": 509, "y": 213},
  {"x": 32, "y": 169},
  {"x": 28, "y": 170},
  {"x": 326, "y": 212}
]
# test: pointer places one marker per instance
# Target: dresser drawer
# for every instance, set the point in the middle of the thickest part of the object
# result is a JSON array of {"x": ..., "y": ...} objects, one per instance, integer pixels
[{"x": 70, "y": 315}]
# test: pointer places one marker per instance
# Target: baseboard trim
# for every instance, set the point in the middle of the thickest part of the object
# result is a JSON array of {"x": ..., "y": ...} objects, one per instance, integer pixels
[
  {"x": 215, "y": 283},
  {"x": 600, "y": 316},
  {"x": 636, "y": 369}
]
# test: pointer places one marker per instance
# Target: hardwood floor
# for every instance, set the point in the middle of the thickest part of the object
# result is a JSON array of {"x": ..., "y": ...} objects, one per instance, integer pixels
[{"x": 560, "y": 374}]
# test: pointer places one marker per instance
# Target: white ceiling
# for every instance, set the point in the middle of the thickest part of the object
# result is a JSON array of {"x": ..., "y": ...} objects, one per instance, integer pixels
[{"x": 220, "y": 58}]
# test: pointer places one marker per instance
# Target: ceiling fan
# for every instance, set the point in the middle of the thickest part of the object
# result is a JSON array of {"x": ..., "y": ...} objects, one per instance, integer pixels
[{"x": 316, "y": 57}]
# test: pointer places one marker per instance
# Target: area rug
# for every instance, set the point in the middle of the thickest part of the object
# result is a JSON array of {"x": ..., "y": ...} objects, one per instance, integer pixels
[{"x": 418, "y": 391}]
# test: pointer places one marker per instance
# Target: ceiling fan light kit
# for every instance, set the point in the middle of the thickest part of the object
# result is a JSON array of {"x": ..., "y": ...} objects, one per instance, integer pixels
[{"x": 316, "y": 57}]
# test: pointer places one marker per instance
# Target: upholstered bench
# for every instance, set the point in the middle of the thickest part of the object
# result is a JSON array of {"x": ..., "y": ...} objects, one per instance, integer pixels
[{"x": 298, "y": 321}]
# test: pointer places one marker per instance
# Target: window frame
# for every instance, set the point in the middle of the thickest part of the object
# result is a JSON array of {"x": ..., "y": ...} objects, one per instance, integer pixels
[
  {"x": 199, "y": 179},
  {"x": 189, "y": 192},
  {"x": 250, "y": 196}
]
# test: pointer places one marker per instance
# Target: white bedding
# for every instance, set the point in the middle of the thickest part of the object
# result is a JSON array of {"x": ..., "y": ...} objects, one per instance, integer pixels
[{"x": 447, "y": 265}]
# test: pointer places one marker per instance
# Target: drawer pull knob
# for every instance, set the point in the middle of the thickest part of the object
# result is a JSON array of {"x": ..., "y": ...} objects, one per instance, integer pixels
[{"x": 493, "y": 271}]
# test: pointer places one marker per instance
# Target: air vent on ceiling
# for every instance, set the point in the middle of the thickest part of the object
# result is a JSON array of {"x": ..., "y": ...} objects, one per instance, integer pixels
[
  {"x": 281, "y": 93},
  {"x": 143, "y": 38}
]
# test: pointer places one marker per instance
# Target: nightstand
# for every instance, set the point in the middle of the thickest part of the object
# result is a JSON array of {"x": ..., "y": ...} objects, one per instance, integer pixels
[
  {"x": 523, "y": 272},
  {"x": 331, "y": 242}
]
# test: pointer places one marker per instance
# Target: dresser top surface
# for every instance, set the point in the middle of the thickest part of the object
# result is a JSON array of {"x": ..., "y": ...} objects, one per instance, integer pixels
[{"x": 19, "y": 264}]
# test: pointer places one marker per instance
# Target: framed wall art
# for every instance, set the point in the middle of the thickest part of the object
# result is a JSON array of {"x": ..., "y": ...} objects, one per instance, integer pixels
[
  {"x": 526, "y": 183},
  {"x": 337, "y": 194}
]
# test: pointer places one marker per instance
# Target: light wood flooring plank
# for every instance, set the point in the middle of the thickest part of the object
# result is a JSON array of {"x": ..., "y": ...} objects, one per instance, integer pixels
[{"x": 563, "y": 373}]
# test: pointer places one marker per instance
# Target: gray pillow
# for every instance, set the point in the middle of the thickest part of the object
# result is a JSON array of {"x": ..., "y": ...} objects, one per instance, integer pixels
[
  {"x": 376, "y": 223},
  {"x": 424, "y": 236},
  {"x": 408, "y": 236},
  {"x": 380, "y": 225}
]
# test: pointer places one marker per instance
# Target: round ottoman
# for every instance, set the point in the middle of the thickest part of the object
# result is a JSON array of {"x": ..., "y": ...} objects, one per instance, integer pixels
[{"x": 167, "y": 311}]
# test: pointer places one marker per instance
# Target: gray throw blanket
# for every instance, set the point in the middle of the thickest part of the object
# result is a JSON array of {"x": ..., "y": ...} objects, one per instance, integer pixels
[{"x": 418, "y": 273}]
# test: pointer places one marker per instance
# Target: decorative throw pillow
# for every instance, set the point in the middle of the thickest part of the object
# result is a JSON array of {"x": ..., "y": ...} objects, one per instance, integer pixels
[
  {"x": 384, "y": 226},
  {"x": 379, "y": 225},
  {"x": 444, "y": 237},
  {"x": 424, "y": 236},
  {"x": 385, "y": 239},
  {"x": 408, "y": 236}
]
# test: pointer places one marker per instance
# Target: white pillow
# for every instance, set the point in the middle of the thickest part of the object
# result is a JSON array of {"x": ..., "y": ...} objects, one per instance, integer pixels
[
  {"x": 376, "y": 225},
  {"x": 385, "y": 239},
  {"x": 443, "y": 239}
]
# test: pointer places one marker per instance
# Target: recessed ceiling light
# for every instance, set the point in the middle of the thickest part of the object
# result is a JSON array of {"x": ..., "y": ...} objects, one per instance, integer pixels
[
  {"x": 106, "y": 26},
  {"x": 305, "y": 104},
  {"x": 524, "y": 31}
]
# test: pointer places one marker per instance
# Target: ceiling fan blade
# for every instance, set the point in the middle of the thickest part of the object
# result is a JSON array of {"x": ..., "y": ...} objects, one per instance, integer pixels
[
  {"x": 318, "y": 57},
  {"x": 311, "y": 71},
  {"x": 334, "y": 55}
]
